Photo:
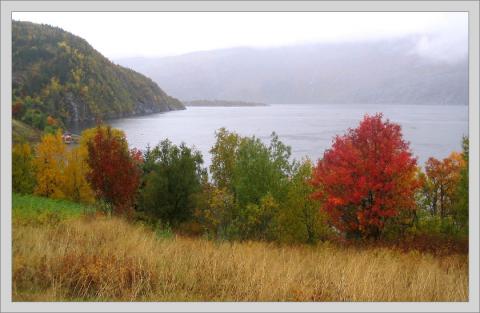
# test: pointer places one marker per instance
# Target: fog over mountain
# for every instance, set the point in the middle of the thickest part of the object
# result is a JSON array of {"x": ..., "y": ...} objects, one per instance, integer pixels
[{"x": 395, "y": 71}]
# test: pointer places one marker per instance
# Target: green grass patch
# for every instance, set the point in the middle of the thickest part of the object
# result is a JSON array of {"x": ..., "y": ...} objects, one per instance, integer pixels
[{"x": 30, "y": 208}]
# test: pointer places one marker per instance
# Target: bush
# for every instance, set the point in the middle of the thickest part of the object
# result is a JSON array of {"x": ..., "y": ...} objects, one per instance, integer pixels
[
  {"x": 434, "y": 225},
  {"x": 49, "y": 129},
  {"x": 254, "y": 221},
  {"x": 215, "y": 210},
  {"x": 163, "y": 230},
  {"x": 35, "y": 118}
]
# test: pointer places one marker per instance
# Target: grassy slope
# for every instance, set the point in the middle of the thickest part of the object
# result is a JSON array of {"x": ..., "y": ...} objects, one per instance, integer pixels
[
  {"x": 109, "y": 259},
  {"x": 29, "y": 206},
  {"x": 23, "y": 132}
]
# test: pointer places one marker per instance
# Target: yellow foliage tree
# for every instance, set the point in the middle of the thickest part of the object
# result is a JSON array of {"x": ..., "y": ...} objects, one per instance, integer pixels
[
  {"x": 215, "y": 210},
  {"x": 89, "y": 134},
  {"x": 50, "y": 163},
  {"x": 76, "y": 186}
]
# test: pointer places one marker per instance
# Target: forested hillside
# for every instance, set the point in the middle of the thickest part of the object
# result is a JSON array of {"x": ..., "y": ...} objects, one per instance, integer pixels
[{"x": 59, "y": 78}]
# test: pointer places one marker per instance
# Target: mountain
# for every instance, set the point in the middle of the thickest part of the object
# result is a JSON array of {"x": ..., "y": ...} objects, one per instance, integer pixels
[
  {"x": 58, "y": 74},
  {"x": 382, "y": 71}
]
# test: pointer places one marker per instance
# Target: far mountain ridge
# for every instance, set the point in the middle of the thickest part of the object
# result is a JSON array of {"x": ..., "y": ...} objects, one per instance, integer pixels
[{"x": 377, "y": 72}]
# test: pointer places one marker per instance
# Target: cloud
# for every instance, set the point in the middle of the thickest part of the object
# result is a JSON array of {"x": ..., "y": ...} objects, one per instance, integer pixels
[
  {"x": 448, "y": 42},
  {"x": 124, "y": 34}
]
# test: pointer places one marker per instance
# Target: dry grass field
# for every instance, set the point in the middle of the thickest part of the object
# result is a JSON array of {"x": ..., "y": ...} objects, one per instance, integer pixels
[{"x": 108, "y": 259}]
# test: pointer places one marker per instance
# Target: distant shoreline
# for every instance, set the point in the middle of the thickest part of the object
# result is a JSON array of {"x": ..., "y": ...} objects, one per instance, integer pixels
[{"x": 222, "y": 103}]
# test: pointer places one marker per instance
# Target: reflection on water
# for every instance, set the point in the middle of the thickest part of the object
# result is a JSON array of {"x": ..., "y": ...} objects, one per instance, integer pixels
[{"x": 77, "y": 127}]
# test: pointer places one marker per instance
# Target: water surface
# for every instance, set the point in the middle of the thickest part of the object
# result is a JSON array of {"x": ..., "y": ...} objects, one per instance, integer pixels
[{"x": 308, "y": 129}]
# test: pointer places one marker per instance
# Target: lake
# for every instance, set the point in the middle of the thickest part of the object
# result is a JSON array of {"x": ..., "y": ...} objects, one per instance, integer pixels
[{"x": 308, "y": 129}]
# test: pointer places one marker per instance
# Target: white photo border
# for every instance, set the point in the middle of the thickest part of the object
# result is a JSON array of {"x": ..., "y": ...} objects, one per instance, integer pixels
[{"x": 7, "y": 7}]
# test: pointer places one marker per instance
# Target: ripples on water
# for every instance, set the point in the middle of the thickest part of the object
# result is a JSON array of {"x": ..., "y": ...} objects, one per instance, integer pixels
[{"x": 308, "y": 129}]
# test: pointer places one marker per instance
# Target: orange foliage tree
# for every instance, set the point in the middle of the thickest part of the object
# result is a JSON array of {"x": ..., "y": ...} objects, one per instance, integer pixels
[
  {"x": 442, "y": 179},
  {"x": 52, "y": 121},
  {"x": 366, "y": 178},
  {"x": 114, "y": 169}
]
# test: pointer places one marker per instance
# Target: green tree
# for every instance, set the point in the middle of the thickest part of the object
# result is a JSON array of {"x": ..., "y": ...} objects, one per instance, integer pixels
[
  {"x": 254, "y": 220},
  {"x": 299, "y": 219},
  {"x": 260, "y": 180},
  {"x": 224, "y": 156},
  {"x": 35, "y": 118},
  {"x": 461, "y": 210},
  {"x": 260, "y": 170},
  {"x": 23, "y": 170},
  {"x": 173, "y": 178},
  {"x": 215, "y": 210}
]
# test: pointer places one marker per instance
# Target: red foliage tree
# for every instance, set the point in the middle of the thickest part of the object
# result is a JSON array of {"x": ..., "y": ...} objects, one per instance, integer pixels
[
  {"x": 367, "y": 177},
  {"x": 17, "y": 110},
  {"x": 114, "y": 174}
]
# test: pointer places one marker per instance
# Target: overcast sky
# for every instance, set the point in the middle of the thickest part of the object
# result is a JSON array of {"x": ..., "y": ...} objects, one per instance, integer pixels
[{"x": 128, "y": 34}]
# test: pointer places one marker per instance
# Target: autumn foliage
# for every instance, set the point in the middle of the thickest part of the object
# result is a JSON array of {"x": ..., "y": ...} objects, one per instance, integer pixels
[
  {"x": 442, "y": 179},
  {"x": 50, "y": 163},
  {"x": 76, "y": 186},
  {"x": 52, "y": 121},
  {"x": 17, "y": 109},
  {"x": 366, "y": 178},
  {"x": 367, "y": 185},
  {"x": 114, "y": 169}
]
